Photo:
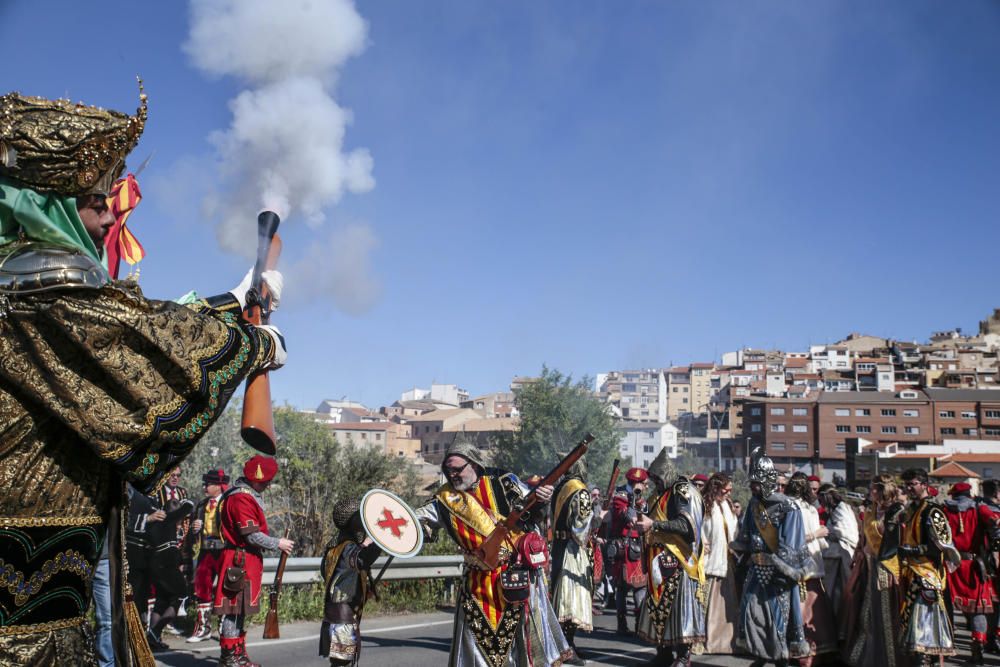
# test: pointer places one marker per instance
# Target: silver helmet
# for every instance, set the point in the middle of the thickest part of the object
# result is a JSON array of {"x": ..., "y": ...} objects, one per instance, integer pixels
[{"x": 762, "y": 471}]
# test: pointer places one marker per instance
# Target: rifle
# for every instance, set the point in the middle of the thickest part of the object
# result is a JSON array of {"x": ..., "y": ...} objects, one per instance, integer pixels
[
  {"x": 605, "y": 527},
  {"x": 271, "y": 622},
  {"x": 257, "y": 426},
  {"x": 611, "y": 485},
  {"x": 489, "y": 551}
]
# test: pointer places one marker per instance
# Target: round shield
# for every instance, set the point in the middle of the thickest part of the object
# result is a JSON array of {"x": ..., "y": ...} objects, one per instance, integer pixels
[{"x": 391, "y": 523}]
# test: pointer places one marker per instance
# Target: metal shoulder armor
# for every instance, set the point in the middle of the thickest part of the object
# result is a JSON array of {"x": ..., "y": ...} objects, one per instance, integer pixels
[{"x": 33, "y": 268}]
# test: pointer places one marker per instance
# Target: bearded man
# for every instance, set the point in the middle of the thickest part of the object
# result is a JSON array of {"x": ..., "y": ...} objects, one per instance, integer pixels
[
  {"x": 503, "y": 617},
  {"x": 98, "y": 384},
  {"x": 672, "y": 615}
]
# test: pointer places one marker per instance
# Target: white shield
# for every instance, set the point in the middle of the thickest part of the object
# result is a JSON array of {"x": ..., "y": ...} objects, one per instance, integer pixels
[{"x": 391, "y": 523}]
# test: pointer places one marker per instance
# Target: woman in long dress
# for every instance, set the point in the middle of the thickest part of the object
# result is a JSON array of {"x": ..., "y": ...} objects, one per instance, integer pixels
[
  {"x": 719, "y": 530},
  {"x": 872, "y": 598}
]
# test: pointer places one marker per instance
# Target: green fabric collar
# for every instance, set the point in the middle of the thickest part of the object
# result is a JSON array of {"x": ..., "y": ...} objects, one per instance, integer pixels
[{"x": 46, "y": 218}]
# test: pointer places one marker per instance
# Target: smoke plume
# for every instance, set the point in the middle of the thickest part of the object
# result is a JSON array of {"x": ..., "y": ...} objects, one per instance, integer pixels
[{"x": 284, "y": 149}]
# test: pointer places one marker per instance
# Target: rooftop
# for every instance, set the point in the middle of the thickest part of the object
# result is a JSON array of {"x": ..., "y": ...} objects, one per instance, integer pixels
[
  {"x": 952, "y": 469},
  {"x": 984, "y": 395},
  {"x": 868, "y": 397}
]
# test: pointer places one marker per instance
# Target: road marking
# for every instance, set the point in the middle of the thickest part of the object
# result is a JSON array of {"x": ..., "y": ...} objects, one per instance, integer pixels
[{"x": 309, "y": 638}]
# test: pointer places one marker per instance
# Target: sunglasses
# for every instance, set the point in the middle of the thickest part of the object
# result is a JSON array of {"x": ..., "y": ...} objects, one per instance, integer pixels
[{"x": 454, "y": 472}]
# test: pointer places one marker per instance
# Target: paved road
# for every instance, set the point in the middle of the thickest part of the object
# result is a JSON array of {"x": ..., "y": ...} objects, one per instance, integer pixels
[{"x": 422, "y": 640}]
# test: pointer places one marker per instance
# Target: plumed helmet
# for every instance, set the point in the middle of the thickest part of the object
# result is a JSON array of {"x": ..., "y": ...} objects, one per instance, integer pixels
[
  {"x": 464, "y": 447},
  {"x": 347, "y": 518},
  {"x": 762, "y": 471},
  {"x": 660, "y": 467}
]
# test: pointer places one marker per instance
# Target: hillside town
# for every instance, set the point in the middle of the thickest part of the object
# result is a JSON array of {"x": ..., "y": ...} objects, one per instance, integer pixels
[{"x": 841, "y": 411}]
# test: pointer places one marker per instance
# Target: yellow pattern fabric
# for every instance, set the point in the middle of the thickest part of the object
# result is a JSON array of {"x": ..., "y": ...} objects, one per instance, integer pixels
[
  {"x": 921, "y": 566},
  {"x": 692, "y": 563},
  {"x": 569, "y": 489}
]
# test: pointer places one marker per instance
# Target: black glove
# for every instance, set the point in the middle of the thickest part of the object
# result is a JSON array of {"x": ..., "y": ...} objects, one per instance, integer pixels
[
  {"x": 677, "y": 526},
  {"x": 911, "y": 550}
]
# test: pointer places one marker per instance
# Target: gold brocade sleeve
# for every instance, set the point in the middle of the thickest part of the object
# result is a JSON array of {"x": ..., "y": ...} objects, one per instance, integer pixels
[{"x": 108, "y": 373}]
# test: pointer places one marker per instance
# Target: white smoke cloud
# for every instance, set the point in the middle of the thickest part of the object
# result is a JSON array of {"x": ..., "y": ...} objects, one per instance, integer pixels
[
  {"x": 340, "y": 269},
  {"x": 284, "y": 149}
]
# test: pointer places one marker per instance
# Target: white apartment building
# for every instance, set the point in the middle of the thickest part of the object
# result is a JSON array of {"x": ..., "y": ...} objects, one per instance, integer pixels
[{"x": 642, "y": 441}]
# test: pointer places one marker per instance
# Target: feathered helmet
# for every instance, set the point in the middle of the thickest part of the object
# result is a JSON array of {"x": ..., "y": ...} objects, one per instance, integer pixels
[
  {"x": 347, "y": 518},
  {"x": 762, "y": 471}
]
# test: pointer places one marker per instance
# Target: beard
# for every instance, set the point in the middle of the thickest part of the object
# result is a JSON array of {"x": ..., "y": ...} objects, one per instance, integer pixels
[{"x": 464, "y": 486}]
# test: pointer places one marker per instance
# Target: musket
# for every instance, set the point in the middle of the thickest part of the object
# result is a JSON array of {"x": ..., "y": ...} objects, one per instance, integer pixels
[
  {"x": 257, "y": 426},
  {"x": 489, "y": 552},
  {"x": 605, "y": 527},
  {"x": 271, "y": 622}
]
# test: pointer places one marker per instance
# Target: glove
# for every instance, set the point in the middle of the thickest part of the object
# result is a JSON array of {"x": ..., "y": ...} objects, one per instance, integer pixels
[
  {"x": 910, "y": 549},
  {"x": 280, "y": 353},
  {"x": 272, "y": 278}
]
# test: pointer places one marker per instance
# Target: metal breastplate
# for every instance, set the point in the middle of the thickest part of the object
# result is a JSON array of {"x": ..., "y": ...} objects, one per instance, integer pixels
[{"x": 32, "y": 268}]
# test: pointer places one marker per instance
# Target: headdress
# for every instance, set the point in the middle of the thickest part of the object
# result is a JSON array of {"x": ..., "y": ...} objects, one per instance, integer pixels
[
  {"x": 636, "y": 475},
  {"x": 260, "y": 469},
  {"x": 464, "y": 447},
  {"x": 58, "y": 147},
  {"x": 700, "y": 477},
  {"x": 660, "y": 467},
  {"x": 215, "y": 476},
  {"x": 960, "y": 488},
  {"x": 578, "y": 469},
  {"x": 762, "y": 471}
]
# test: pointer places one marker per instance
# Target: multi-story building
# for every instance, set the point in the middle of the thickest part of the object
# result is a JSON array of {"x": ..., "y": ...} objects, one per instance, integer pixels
[
  {"x": 497, "y": 404},
  {"x": 678, "y": 391},
  {"x": 812, "y": 433},
  {"x": 343, "y": 412},
  {"x": 642, "y": 441},
  {"x": 700, "y": 375},
  {"x": 636, "y": 395},
  {"x": 391, "y": 438}
]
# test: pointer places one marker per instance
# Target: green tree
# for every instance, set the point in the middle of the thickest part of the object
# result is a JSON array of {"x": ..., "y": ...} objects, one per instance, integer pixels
[{"x": 555, "y": 414}]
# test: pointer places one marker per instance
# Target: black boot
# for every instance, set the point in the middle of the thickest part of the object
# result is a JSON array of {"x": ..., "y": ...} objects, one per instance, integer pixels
[
  {"x": 977, "y": 654},
  {"x": 623, "y": 625}
]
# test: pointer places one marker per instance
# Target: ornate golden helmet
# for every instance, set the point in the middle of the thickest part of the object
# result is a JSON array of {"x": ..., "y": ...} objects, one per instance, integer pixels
[{"x": 65, "y": 148}]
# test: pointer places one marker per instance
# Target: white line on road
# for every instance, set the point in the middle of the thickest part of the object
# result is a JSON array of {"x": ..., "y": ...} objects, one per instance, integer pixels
[{"x": 309, "y": 638}]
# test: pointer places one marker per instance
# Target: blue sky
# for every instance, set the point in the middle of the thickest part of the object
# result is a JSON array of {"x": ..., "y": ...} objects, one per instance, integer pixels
[{"x": 588, "y": 185}]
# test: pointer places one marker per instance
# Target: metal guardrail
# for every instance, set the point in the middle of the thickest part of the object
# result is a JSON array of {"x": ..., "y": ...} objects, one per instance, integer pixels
[{"x": 306, "y": 570}]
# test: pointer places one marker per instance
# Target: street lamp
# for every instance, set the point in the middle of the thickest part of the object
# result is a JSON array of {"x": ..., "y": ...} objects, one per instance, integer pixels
[{"x": 716, "y": 417}]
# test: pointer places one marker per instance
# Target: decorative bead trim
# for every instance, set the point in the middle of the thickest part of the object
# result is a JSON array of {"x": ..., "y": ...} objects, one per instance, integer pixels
[
  {"x": 46, "y": 521},
  {"x": 38, "y": 628},
  {"x": 13, "y": 580}
]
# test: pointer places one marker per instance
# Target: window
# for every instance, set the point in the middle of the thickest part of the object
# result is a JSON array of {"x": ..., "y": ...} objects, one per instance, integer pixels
[
  {"x": 968, "y": 415},
  {"x": 841, "y": 447},
  {"x": 778, "y": 445},
  {"x": 799, "y": 412},
  {"x": 843, "y": 428},
  {"x": 777, "y": 411},
  {"x": 912, "y": 430},
  {"x": 674, "y": 390},
  {"x": 684, "y": 401},
  {"x": 862, "y": 412},
  {"x": 969, "y": 431},
  {"x": 992, "y": 414},
  {"x": 946, "y": 414},
  {"x": 987, "y": 472},
  {"x": 991, "y": 431},
  {"x": 863, "y": 429},
  {"x": 947, "y": 431},
  {"x": 755, "y": 428},
  {"x": 842, "y": 412},
  {"x": 777, "y": 428},
  {"x": 755, "y": 412},
  {"x": 911, "y": 413},
  {"x": 888, "y": 412},
  {"x": 800, "y": 447},
  {"x": 648, "y": 449},
  {"x": 799, "y": 428},
  {"x": 888, "y": 429}
]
